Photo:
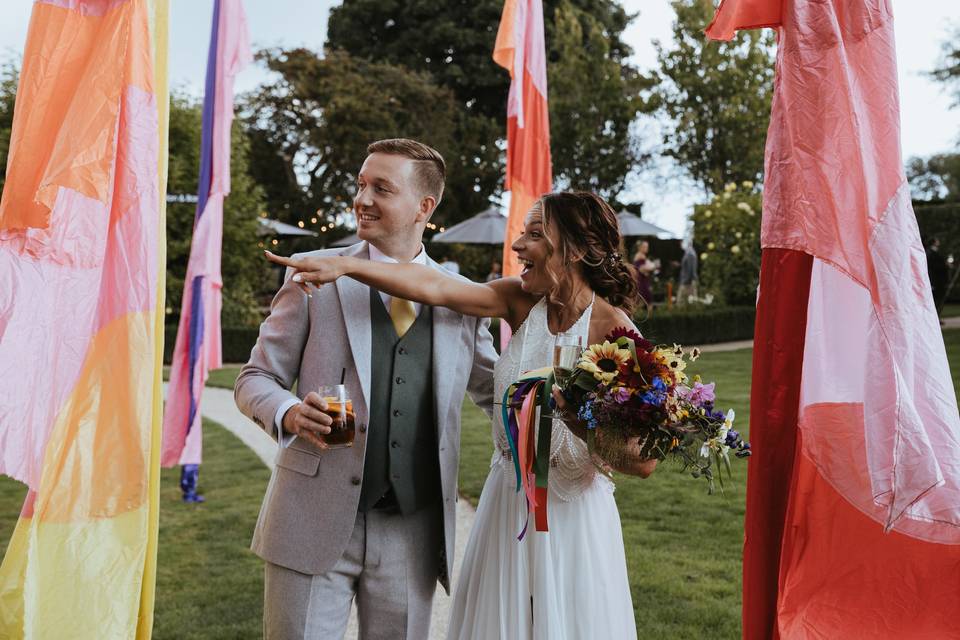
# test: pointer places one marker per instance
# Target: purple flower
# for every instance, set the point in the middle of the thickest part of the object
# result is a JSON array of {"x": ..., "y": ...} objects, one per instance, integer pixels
[
  {"x": 621, "y": 395},
  {"x": 700, "y": 394}
]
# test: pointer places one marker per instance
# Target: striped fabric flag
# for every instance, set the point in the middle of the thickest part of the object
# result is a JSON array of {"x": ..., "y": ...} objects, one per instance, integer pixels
[
  {"x": 81, "y": 313},
  {"x": 198, "y": 346},
  {"x": 853, "y": 499},
  {"x": 520, "y": 49}
]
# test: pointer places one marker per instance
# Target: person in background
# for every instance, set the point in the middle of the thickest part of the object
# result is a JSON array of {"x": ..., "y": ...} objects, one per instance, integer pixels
[
  {"x": 688, "y": 274},
  {"x": 496, "y": 271},
  {"x": 939, "y": 274},
  {"x": 450, "y": 265},
  {"x": 645, "y": 267}
]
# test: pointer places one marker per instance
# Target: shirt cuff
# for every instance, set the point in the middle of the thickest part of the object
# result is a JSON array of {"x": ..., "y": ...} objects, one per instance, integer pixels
[{"x": 283, "y": 437}]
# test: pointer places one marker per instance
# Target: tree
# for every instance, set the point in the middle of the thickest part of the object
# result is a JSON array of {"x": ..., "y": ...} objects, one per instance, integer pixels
[
  {"x": 243, "y": 268},
  {"x": 593, "y": 91},
  {"x": 935, "y": 178},
  {"x": 318, "y": 117},
  {"x": 718, "y": 97},
  {"x": 594, "y": 99},
  {"x": 9, "y": 76},
  {"x": 948, "y": 72},
  {"x": 727, "y": 237}
]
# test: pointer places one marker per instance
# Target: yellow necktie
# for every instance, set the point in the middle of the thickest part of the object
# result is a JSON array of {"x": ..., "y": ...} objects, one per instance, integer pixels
[{"x": 403, "y": 314}]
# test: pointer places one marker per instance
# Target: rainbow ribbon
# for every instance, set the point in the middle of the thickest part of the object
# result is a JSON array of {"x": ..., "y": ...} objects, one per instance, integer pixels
[{"x": 530, "y": 449}]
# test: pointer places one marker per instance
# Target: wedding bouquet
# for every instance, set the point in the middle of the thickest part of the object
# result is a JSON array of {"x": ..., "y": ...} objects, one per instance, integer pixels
[{"x": 627, "y": 387}]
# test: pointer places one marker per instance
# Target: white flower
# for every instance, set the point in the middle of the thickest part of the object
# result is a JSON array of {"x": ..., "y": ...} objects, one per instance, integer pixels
[
  {"x": 743, "y": 206},
  {"x": 711, "y": 246},
  {"x": 735, "y": 249},
  {"x": 705, "y": 449},
  {"x": 730, "y": 186},
  {"x": 707, "y": 213},
  {"x": 703, "y": 256},
  {"x": 728, "y": 423},
  {"x": 747, "y": 184}
]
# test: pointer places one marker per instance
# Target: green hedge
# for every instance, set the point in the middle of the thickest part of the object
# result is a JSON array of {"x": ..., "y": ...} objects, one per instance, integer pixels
[
  {"x": 693, "y": 327},
  {"x": 942, "y": 221},
  {"x": 237, "y": 343},
  {"x": 698, "y": 326}
]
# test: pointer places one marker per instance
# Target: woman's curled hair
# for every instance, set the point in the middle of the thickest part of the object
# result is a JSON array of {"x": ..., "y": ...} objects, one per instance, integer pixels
[{"x": 587, "y": 229}]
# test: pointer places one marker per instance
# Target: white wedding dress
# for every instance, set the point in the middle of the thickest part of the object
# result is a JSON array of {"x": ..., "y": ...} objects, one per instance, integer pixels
[{"x": 569, "y": 583}]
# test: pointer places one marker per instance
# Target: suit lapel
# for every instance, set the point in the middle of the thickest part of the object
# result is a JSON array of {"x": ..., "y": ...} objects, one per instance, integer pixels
[
  {"x": 355, "y": 304},
  {"x": 446, "y": 332}
]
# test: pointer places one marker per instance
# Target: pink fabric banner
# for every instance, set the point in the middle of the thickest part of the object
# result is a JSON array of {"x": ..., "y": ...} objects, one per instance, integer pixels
[{"x": 198, "y": 347}]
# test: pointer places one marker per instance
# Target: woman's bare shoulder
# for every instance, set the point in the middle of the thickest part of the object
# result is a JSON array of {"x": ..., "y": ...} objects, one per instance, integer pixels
[{"x": 605, "y": 318}]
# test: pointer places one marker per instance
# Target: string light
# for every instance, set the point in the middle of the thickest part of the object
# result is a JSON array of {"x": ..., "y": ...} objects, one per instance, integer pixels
[
  {"x": 274, "y": 241},
  {"x": 313, "y": 220},
  {"x": 300, "y": 224},
  {"x": 324, "y": 229}
]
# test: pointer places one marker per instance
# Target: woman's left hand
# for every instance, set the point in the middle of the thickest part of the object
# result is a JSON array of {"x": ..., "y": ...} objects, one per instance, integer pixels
[{"x": 310, "y": 270}]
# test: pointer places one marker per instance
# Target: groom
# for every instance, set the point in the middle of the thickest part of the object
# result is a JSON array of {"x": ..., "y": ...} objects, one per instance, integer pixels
[{"x": 374, "y": 521}]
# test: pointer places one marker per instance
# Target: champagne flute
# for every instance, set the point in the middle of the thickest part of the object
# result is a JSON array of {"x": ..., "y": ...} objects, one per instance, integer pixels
[{"x": 567, "y": 349}]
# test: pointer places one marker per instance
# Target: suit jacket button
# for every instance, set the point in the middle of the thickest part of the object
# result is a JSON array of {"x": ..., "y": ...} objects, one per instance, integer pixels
[
  {"x": 362, "y": 427},
  {"x": 355, "y": 480}
]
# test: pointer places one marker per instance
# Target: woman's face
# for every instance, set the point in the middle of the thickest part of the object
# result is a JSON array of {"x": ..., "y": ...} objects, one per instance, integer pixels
[{"x": 533, "y": 253}]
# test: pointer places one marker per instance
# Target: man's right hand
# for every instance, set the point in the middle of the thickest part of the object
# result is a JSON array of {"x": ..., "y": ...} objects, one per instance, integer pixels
[{"x": 308, "y": 420}]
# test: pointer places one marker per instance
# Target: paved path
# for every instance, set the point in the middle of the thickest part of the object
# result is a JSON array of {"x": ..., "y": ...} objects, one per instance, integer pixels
[{"x": 218, "y": 406}]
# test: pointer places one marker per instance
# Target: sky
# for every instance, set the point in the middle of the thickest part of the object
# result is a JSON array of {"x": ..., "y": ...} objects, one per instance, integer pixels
[{"x": 928, "y": 124}]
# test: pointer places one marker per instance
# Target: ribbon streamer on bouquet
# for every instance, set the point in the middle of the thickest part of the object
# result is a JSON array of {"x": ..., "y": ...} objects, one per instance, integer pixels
[{"x": 531, "y": 451}]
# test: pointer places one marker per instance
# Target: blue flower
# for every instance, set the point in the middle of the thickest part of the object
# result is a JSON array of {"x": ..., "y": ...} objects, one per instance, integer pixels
[
  {"x": 659, "y": 384},
  {"x": 586, "y": 414}
]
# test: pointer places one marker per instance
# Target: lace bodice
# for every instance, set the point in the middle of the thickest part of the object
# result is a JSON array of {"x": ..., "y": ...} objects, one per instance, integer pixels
[{"x": 571, "y": 467}]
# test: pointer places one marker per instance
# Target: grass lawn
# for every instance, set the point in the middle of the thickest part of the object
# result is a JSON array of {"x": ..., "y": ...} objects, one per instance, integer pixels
[
  {"x": 683, "y": 546},
  {"x": 209, "y": 585}
]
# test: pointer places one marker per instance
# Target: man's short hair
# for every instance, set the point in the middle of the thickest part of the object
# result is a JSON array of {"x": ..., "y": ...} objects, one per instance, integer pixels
[{"x": 430, "y": 170}]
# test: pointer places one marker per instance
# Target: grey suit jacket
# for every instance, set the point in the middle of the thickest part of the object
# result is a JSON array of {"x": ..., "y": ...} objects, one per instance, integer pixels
[{"x": 311, "y": 503}]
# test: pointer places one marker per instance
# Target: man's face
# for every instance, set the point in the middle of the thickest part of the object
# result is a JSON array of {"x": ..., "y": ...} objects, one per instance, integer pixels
[{"x": 388, "y": 205}]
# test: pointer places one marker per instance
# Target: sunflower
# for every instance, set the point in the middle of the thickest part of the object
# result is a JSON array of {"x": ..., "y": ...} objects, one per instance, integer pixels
[{"x": 604, "y": 360}]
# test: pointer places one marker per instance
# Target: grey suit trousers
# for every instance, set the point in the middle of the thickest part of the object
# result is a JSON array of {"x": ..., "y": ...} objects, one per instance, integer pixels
[{"x": 390, "y": 566}]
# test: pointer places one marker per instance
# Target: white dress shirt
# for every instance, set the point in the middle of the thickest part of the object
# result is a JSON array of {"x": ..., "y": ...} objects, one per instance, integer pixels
[{"x": 377, "y": 256}]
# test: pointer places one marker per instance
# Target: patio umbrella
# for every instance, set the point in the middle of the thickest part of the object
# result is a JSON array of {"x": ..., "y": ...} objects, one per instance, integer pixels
[
  {"x": 487, "y": 227},
  {"x": 270, "y": 227},
  {"x": 633, "y": 225}
]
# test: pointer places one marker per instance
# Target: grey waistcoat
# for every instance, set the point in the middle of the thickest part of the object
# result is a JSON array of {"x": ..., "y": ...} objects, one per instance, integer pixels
[{"x": 401, "y": 436}]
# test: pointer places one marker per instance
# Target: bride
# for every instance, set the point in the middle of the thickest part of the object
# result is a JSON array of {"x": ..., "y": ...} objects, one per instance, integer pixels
[{"x": 569, "y": 583}]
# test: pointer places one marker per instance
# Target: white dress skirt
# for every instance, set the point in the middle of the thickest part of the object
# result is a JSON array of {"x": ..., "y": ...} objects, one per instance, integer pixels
[{"x": 569, "y": 583}]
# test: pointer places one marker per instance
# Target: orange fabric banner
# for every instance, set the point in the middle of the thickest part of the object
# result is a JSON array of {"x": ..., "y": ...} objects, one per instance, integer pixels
[{"x": 520, "y": 49}]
